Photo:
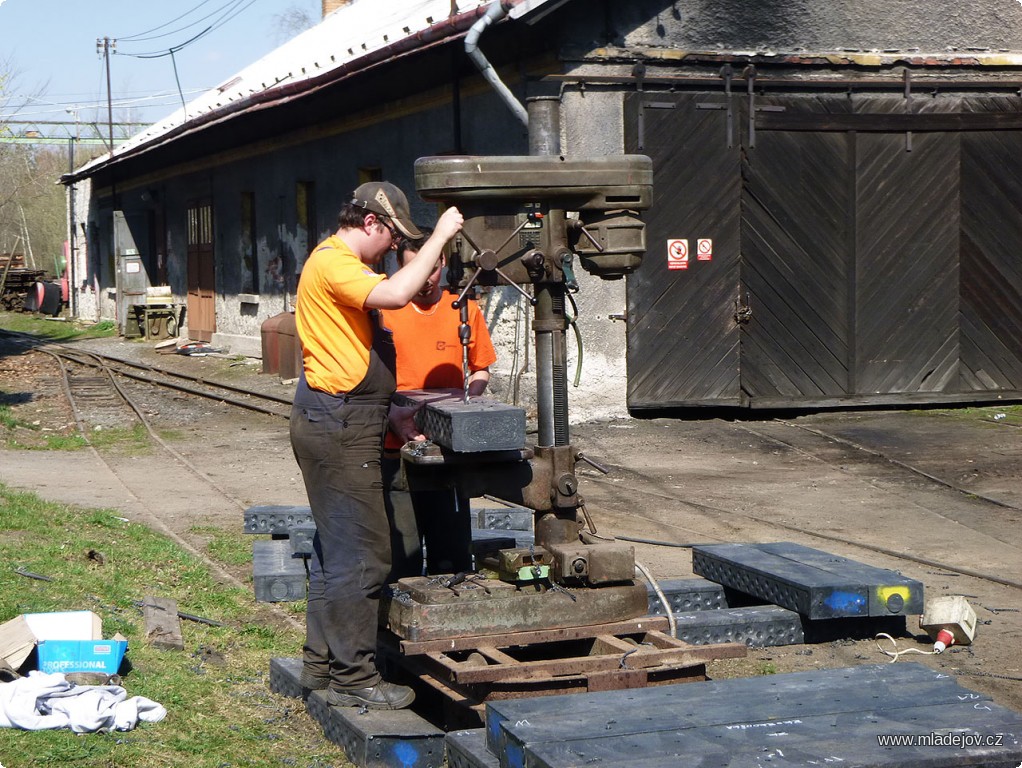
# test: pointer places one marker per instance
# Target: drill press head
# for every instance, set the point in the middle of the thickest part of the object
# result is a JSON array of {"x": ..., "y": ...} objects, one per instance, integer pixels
[{"x": 526, "y": 216}]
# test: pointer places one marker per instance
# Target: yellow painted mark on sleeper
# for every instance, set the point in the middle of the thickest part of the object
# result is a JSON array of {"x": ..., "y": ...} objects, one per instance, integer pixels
[{"x": 886, "y": 593}]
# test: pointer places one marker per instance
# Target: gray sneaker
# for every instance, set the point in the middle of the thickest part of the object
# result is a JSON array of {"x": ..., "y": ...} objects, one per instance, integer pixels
[{"x": 383, "y": 695}]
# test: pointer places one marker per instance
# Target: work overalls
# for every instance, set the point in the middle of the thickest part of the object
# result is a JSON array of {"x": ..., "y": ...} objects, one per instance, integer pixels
[{"x": 337, "y": 441}]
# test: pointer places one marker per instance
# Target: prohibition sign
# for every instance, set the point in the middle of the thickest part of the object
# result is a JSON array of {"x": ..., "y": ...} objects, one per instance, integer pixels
[
  {"x": 677, "y": 254},
  {"x": 704, "y": 249}
]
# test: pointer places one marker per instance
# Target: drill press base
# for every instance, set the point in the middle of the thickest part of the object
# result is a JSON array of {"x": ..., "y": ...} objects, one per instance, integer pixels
[{"x": 420, "y": 608}]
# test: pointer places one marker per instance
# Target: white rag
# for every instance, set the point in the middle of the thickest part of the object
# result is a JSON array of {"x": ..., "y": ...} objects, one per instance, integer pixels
[{"x": 44, "y": 701}]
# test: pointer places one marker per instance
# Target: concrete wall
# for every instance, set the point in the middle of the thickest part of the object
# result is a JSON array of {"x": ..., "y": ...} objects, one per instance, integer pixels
[
  {"x": 602, "y": 385},
  {"x": 84, "y": 286},
  {"x": 803, "y": 25}
]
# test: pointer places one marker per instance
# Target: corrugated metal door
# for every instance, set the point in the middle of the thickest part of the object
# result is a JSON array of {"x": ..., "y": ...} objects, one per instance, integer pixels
[{"x": 682, "y": 332}]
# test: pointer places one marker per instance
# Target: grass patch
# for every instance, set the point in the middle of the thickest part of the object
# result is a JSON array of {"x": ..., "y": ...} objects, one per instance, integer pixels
[
  {"x": 21, "y": 435},
  {"x": 996, "y": 414},
  {"x": 63, "y": 443},
  {"x": 170, "y": 435},
  {"x": 224, "y": 546},
  {"x": 55, "y": 330},
  {"x": 220, "y": 710},
  {"x": 9, "y": 421},
  {"x": 18, "y": 434},
  {"x": 128, "y": 440}
]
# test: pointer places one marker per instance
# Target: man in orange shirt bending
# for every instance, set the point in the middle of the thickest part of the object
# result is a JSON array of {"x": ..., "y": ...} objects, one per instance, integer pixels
[{"x": 429, "y": 356}]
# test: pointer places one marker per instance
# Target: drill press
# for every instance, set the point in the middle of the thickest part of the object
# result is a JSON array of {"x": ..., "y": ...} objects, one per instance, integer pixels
[{"x": 527, "y": 219}]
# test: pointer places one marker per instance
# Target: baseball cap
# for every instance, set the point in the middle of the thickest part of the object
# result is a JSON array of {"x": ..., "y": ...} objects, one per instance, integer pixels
[{"x": 384, "y": 198}]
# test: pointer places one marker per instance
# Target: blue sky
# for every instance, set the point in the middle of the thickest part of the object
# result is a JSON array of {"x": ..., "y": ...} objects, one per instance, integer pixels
[{"x": 49, "y": 46}]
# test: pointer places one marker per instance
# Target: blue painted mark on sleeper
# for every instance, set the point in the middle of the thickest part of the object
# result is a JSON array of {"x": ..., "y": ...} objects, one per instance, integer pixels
[
  {"x": 845, "y": 601},
  {"x": 515, "y": 755},
  {"x": 406, "y": 754}
]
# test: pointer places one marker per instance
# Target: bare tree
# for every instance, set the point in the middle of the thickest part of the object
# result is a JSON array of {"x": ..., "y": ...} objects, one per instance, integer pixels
[
  {"x": 32, "y": 207},
  {"x": 291, "y": 22}
]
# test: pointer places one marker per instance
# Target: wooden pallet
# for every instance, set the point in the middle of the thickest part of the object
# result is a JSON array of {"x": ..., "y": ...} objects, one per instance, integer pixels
[{"x": 470, "y": 671}]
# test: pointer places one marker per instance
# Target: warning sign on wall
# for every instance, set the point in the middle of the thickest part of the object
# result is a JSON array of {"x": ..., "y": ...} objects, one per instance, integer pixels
[
  {"x": 677, "y": 254},
  {"x": 704, "y": 249}
]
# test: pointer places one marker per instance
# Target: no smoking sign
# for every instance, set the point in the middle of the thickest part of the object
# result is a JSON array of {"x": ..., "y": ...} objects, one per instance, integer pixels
[
  {"x": 704, "y": 249},
  {"x": 677, "y": 254}
]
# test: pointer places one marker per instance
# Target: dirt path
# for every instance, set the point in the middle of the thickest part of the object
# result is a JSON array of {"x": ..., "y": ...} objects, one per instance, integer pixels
[{"x": 937, "y": 496}]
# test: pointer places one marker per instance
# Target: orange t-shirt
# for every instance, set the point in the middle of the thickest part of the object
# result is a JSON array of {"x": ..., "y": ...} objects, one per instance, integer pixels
[
  {"x": 334, "y": 327},
  {"x": 429, "y": 350}
]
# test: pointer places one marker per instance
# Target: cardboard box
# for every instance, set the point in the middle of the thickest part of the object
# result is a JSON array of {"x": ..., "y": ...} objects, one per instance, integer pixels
[
  {"x": 68, "y": 641},
  {"x": 81, "y": 655},
  {"x": 16, "y": 641}
]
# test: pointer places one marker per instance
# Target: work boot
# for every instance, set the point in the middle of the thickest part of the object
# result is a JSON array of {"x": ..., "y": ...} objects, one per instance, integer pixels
[
  {"x": 309, "y": 681},
  {"x": 383, "y": 695}
]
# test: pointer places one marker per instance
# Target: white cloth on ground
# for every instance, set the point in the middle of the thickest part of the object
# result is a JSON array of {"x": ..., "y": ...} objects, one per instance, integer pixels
[{"x": 44, "y": 701}]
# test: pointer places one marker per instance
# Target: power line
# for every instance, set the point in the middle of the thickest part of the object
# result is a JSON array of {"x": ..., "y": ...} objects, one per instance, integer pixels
[
  {"x": 233, "y": 10},
  {"x": 139, "y": 36}
]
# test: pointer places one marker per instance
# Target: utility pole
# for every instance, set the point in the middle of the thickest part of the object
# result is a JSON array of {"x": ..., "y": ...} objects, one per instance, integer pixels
[{"x": 106, "y": 44}]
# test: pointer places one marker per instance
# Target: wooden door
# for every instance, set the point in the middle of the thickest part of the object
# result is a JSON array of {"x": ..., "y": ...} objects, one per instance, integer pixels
[
  {"x": 201, "y": 313},
  {"x": 683, "y": 332}
]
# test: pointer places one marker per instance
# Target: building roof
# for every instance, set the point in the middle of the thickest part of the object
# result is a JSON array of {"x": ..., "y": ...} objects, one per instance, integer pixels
[{"x": 350, "y": 40}]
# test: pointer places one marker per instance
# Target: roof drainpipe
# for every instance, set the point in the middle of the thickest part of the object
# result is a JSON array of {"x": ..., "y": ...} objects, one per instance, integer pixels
[{"x": 494, "y": 13}]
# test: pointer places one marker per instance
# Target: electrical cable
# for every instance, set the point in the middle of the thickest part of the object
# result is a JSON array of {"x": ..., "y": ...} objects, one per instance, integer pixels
[
  {"x": 661, "y": 596},
  {"x": 895, "y": 654},
  {"x": 233, "y": 4},
  {"x": 578, "y": 338},
  {"x": 138, "y": 36},
  {"x": 175, "y": 48},
  {"x": 654, "y": 542}
]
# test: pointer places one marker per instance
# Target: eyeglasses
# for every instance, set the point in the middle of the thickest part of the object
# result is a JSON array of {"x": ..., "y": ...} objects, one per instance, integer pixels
[{"x": 389, "y": 227}]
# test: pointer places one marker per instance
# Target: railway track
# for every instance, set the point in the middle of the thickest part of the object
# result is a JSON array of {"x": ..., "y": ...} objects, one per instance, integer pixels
[
  {"x": 108, "y": 368},
  {"x": 95, "y": 388},
  {"x": 106, "y": 392},
  {"x": 90, "y": 382}
]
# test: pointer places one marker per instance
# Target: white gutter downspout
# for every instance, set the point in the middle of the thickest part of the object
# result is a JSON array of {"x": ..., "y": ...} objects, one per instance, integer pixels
[{"x": 494, "y": 13}]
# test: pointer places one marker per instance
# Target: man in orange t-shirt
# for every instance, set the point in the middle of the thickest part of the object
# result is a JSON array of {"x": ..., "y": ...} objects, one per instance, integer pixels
[
  {"x": 429, "y": 356},
  {"x": 338, "y": 420}
]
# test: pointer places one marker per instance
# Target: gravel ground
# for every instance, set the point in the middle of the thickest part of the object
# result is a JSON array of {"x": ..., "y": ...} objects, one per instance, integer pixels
[{"x": 835, "y": 481}]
